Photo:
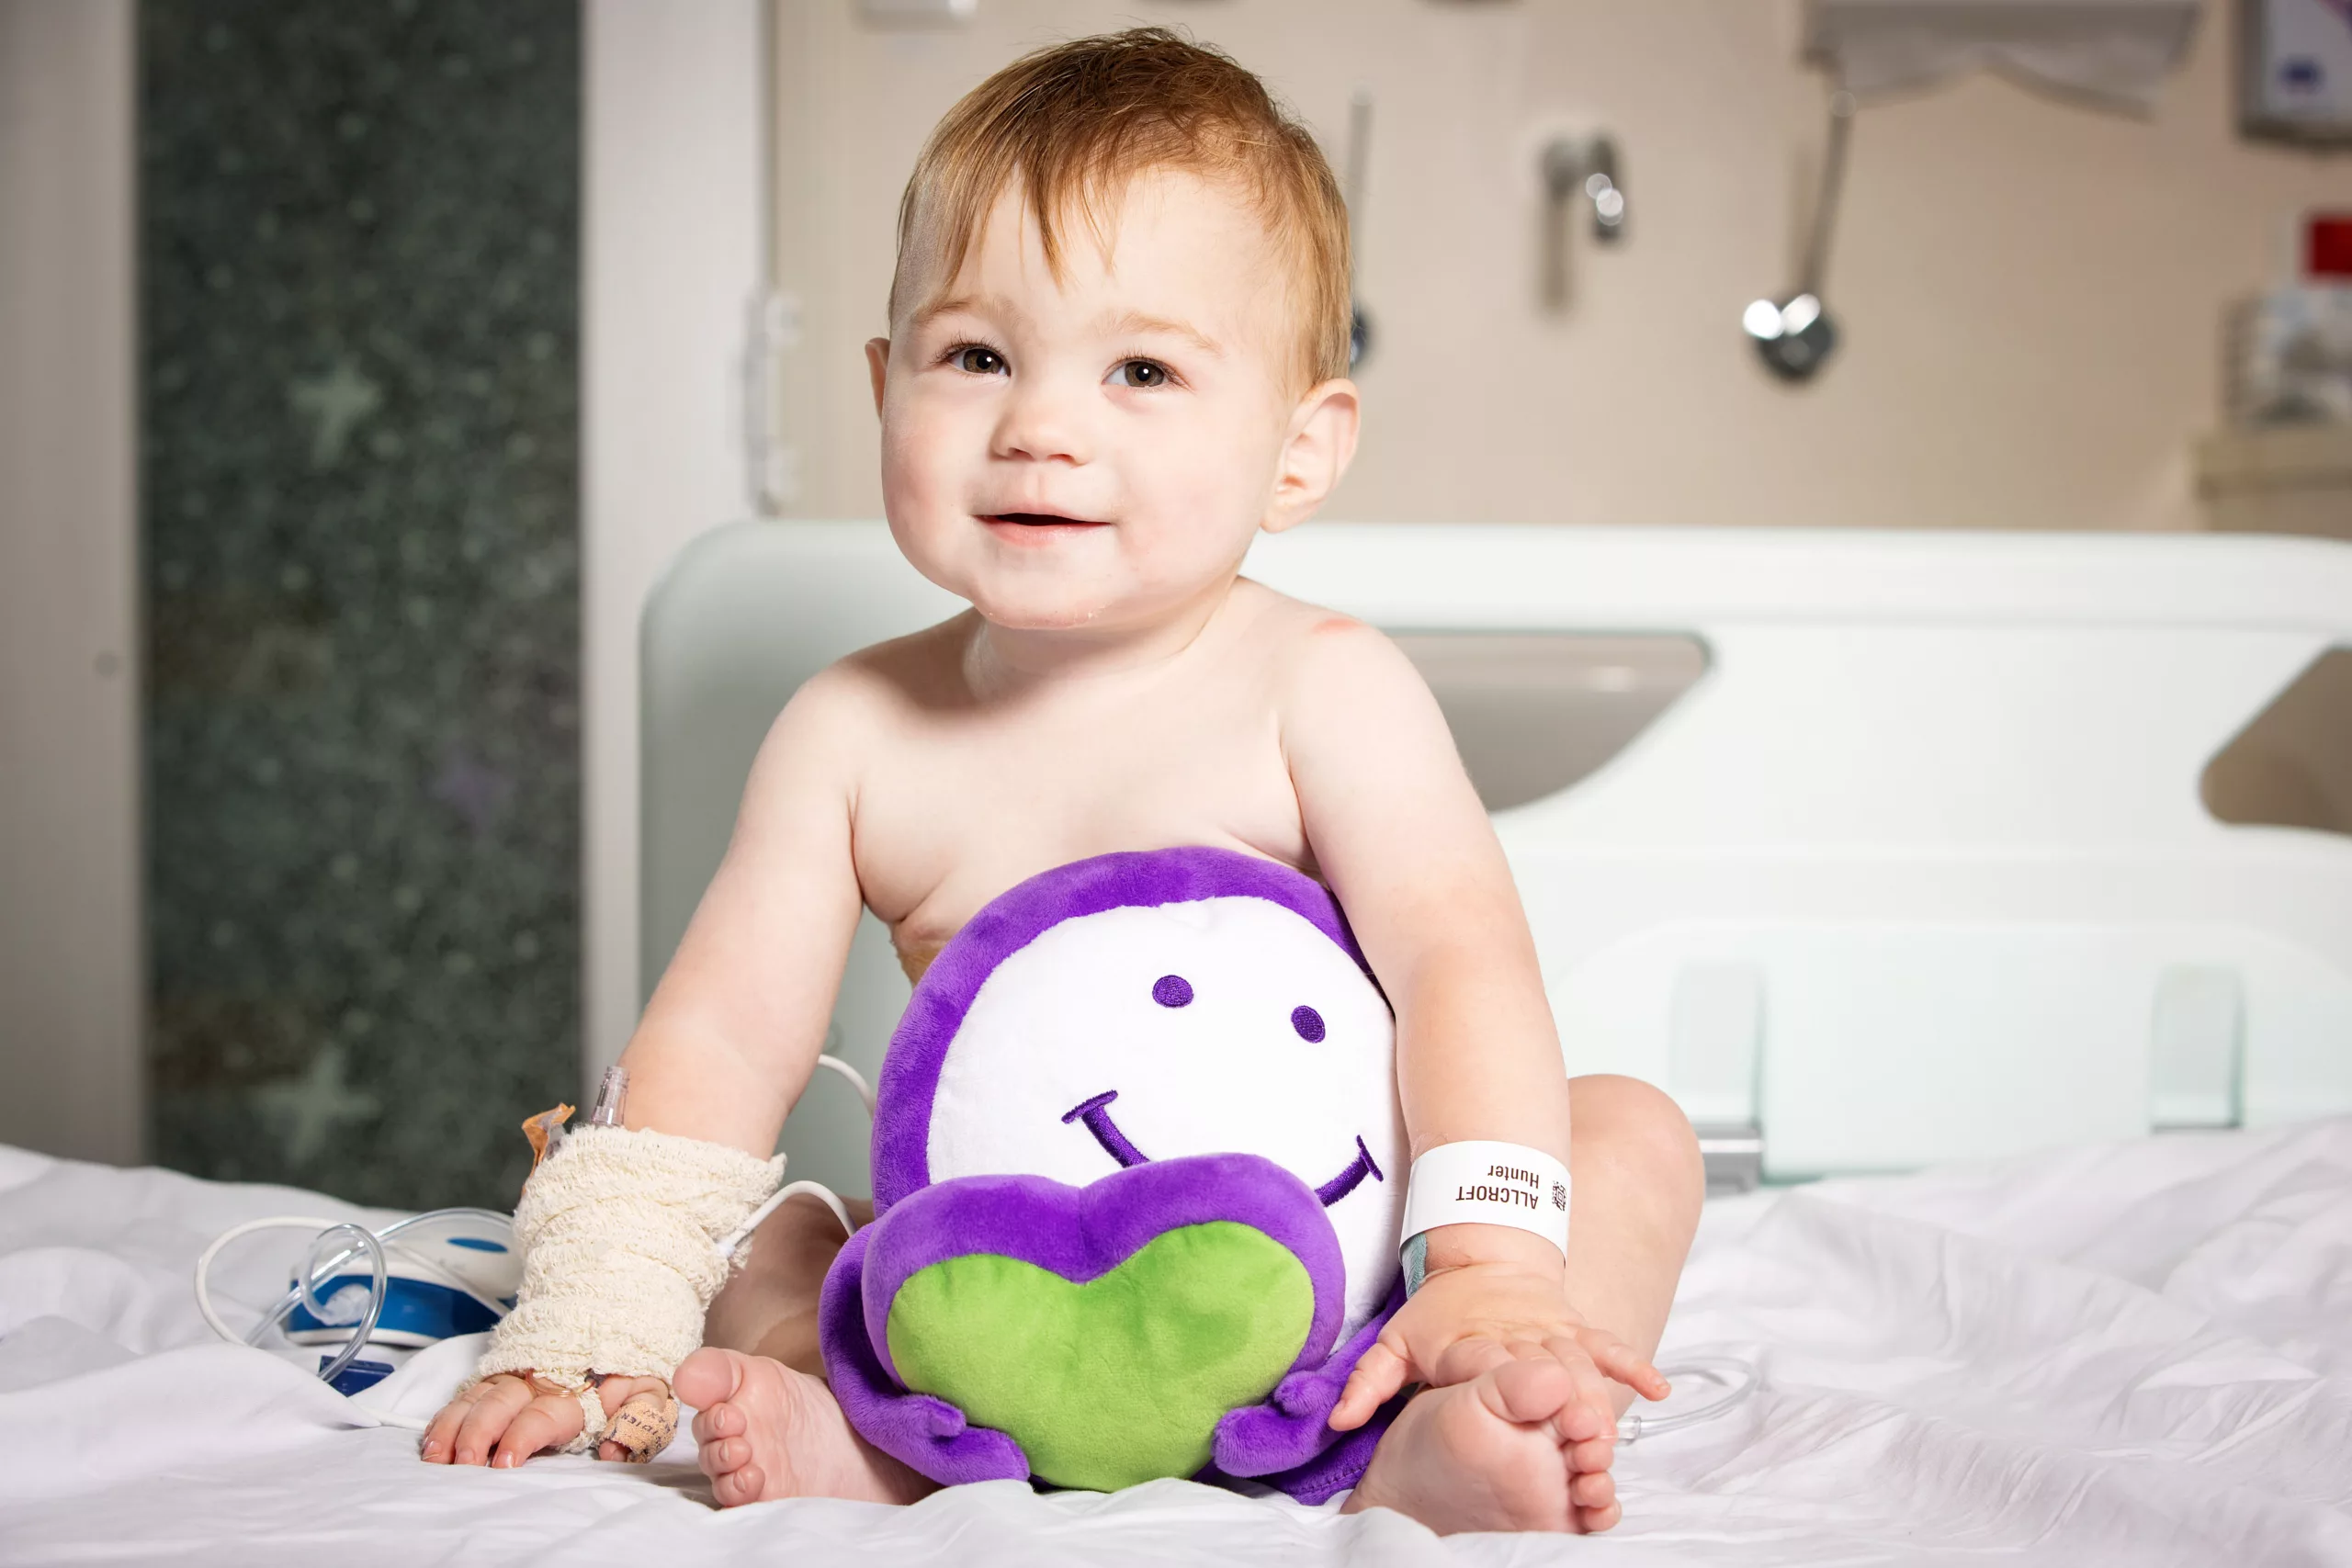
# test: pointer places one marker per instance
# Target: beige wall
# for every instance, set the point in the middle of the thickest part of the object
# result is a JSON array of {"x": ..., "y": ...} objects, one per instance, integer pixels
[
  {"x": 672, "y": 256},
  {"x": 2032, "y": 293},
  {"x": 72, "y": 979}
]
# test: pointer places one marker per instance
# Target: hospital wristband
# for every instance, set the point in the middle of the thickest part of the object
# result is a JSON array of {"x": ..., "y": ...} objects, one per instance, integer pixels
[{"x": 1483, "y": 1183}]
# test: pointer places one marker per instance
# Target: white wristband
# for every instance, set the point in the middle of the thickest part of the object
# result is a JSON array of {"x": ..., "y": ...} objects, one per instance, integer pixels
[{"x": 1481, "y": 1182}]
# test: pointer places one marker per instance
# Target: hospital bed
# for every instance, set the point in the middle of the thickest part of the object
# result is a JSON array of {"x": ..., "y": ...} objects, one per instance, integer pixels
[
  {"x": 1880, "y": 852},
  {"x": 1905, "y": 861}
]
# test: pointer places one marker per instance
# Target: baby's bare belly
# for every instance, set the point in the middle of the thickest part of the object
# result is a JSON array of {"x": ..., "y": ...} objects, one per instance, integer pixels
[{"x": 919, "y": 937}]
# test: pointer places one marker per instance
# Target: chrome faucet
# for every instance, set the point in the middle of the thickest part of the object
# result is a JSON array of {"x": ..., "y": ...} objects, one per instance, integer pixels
[
  {"x": 1600, "y": 186},
  {"x": 1574, "y": 167}
]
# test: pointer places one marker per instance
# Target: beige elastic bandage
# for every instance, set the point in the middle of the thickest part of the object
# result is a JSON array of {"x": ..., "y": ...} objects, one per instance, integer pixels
[{"x": 620, "y": 1233}]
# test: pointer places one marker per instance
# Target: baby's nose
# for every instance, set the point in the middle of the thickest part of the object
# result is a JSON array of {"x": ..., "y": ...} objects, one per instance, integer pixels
[{"x": 1043, "y": 424}]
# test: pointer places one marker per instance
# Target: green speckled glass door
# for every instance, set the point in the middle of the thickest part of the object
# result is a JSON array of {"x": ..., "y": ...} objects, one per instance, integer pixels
[{"x": 359, "y": 258}]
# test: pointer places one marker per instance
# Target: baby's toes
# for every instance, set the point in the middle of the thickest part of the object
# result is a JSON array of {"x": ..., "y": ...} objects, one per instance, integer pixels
[
  {"x": 723, "y": 1458},
  {"x": 709, "y": 1377},
  {"x": 1526, "y": 1392},
  {"x": 1593, "y": 1453},
  {"x": 738, "y": 1486},
  {"x": 1594, "y": 1489},
  {"x": 1592, "y": 1521},
  {"x": 717, "y": 1421}
]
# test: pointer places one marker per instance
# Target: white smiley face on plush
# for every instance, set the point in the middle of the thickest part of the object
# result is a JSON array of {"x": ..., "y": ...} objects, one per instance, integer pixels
[{"x": 1214, "y": 1026}]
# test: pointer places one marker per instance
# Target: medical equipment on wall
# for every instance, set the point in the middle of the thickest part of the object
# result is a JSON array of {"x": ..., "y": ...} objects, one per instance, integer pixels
[
  {"x": 1795, "y": 335},
  {"x": 1351, "y": 192},
  {"x": 2295, "y": 71},
  {"x": 2108, "y": 53},
  {"x": 2113, "y": 54},
  {"x": 1575, "y": 166}
]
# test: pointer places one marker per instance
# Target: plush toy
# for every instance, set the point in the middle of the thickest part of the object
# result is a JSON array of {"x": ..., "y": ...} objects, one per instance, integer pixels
[{"x": 1138, "y": 1168}]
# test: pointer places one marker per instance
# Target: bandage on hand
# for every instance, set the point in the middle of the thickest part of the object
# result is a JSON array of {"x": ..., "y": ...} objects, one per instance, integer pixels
[
  {"x": 509, "y": 1416},
  {"x": 639, "y": 1428},
  {"x": 642, "y": 1427}
]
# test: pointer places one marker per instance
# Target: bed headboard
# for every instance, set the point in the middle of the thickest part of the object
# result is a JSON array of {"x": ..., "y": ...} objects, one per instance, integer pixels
[{"x": 1916, "y": 870}]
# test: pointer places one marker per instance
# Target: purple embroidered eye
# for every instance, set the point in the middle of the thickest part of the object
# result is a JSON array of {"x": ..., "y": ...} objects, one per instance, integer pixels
[
  {"x": 1175, "y": 991},
  {"x": 1309, "y": 1024}
]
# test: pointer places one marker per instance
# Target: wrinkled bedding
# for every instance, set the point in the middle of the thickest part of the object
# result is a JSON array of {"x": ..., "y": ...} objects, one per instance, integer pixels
[{"x": 2133, "y": 1353}]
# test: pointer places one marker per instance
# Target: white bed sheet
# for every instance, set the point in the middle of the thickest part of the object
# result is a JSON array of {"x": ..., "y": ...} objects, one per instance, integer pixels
[{"x": 2133, "y": 1353}]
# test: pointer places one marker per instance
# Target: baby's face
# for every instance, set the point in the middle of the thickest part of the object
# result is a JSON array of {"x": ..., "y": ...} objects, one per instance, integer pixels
[{"x": 1099, "y": 452}]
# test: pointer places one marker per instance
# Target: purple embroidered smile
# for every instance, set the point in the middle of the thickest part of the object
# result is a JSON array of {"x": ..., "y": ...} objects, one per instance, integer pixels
[{"x": 1096, "y": 1114}]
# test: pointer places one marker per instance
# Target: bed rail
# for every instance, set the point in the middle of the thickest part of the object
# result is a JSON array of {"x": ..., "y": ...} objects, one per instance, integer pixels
[{"x": 1918, "y": 870}]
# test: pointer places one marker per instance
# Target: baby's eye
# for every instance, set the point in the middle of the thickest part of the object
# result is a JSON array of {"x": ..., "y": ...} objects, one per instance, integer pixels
[
  {"x": 980, "y": 361},
  {"x": 1141, "y": 373},
  {"x": 1309, "y": 1024}
]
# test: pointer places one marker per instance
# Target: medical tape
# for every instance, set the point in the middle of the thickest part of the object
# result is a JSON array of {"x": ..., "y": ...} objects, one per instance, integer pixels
[
  {"x": 619, "y": 1232},
  {"x": 644, "y": 1427},
  {"x": 591, "y": 1419},
  {"x": 1482, "y": 1182}
]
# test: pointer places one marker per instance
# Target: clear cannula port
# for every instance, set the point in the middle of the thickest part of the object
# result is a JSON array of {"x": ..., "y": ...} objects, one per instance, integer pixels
[{"x": 612, "y": 1095}]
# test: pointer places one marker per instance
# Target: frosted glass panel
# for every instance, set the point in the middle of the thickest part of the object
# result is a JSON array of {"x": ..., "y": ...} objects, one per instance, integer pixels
[{"x": 359, "y": 271}]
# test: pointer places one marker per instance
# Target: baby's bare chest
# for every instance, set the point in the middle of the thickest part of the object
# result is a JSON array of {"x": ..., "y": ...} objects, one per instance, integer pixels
[{"x": 960, "y": 807}]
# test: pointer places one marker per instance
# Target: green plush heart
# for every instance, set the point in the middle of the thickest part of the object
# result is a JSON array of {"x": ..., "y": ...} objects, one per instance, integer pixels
[{"x": 1122, "y": 1379}]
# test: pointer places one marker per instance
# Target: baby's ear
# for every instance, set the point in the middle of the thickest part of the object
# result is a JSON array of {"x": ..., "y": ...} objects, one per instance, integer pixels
[
  {"x": 877, "y": 366},
  {"x": 1321, "y": 443}
]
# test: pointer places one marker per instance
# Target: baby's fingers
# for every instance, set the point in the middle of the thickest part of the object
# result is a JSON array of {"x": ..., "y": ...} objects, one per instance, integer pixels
[
  {"x": 493, "y": 1407},
  {"x": 1379, "y": 1373},
  {"x": 547, "y": 1422},
  {"x": 1624, "y": 1363},
  {"x": 1590, "y": 1413},
  {"x": 643, "y": 1426},
  {"x": 442, "y": 1434},
  {"x": 1468, "y": 1358}
]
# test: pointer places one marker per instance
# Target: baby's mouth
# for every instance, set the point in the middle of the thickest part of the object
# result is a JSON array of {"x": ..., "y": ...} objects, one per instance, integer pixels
[
  {"x": 1096, "y": 1114},
  {"x": 1038, "y": 520}
]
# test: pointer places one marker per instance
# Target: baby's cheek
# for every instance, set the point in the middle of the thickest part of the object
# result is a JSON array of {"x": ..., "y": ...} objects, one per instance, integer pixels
[{"x": 916, "y": 471}]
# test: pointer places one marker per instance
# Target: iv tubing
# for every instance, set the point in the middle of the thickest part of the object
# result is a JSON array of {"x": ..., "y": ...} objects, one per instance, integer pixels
[
  {"x": 1740, "y": 1375},
  {"x": 363, "y": 1240},
  {"x": 367, "y": 1243}
]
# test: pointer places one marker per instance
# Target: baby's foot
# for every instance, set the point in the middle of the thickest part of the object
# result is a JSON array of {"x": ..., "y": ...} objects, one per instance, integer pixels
[
  {"x": 1487, "y": 1455},
  {"x": 767, "y": 1431}
]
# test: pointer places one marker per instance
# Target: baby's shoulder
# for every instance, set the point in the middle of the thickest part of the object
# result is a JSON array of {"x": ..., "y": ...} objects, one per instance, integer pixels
[
  {"x": 870, "y": 690},
  {"x": 1318, "y": 653}
]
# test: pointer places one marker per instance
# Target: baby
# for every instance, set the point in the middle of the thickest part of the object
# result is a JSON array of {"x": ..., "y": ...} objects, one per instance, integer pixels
[{"x": 1117, "y": 351}]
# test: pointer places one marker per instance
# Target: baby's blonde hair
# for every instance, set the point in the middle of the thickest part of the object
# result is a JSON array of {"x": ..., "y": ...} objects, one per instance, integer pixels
[{"x": 1074, "y": 123}]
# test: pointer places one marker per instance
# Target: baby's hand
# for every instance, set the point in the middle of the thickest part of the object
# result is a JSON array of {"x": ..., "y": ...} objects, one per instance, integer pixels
[
  {"x": 1468, "y": 1319},
  {"x": 505, "y": 1418}
]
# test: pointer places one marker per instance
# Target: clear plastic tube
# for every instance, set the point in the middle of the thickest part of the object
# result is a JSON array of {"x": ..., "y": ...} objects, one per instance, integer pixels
[
  {"x": 1740, "y": 1376},
  {"x": 362, "y": 1242},
  {"x": 359, "y": 1242},
  {"x": 377, "y": 1290}
]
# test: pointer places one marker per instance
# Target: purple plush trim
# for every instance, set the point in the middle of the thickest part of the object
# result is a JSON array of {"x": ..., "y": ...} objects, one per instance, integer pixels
[
  {"x": 929, "y": 1435},
  {"x": 1293, "y": 1426},
  {"x": 1340, "y": 1466},
  {"x": 1011, "y": 921},
  {"x": 1082, "y": 1233}
]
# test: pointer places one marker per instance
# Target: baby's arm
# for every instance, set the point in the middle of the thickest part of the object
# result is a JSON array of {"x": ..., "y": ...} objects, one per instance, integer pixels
[
  {"x": 733, "y": 1032},
  {"x": 1400, "y": 833}
]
